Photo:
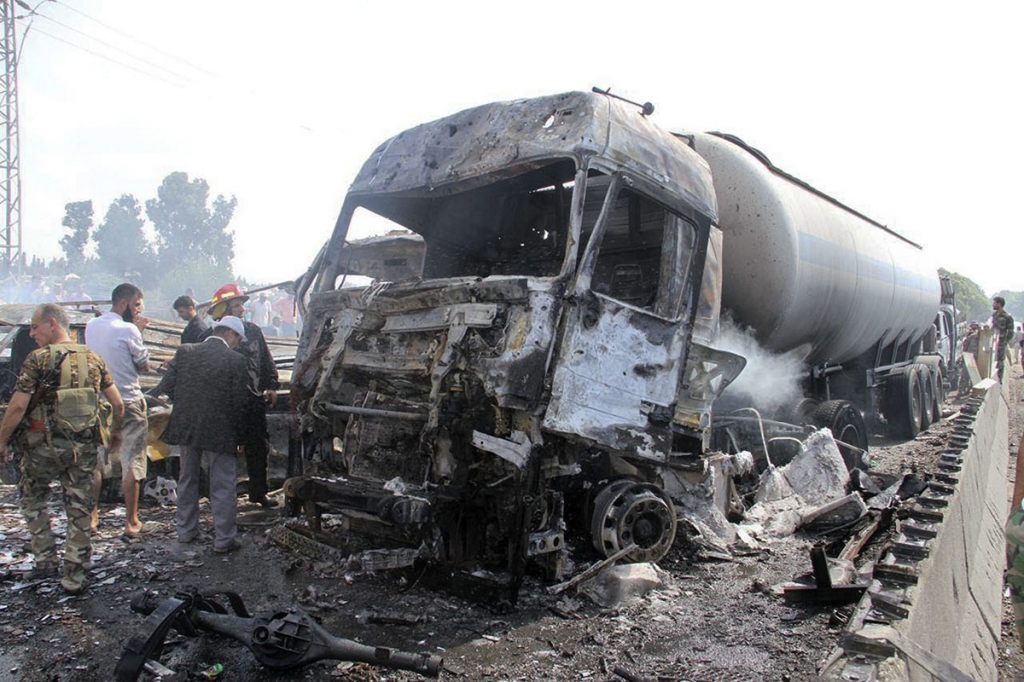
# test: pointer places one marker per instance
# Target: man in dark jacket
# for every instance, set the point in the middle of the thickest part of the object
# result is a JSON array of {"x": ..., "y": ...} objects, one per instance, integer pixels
[
  {"x": 195, "y": 330},
  {"x": 229, "y": 300},
  {"x": 208, "y": 384}
]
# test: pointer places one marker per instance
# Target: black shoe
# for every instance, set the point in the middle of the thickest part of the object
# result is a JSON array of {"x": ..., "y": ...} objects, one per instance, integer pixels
[
  {"x": 235, "y": 544},
  {"x": 264, "y": 501}
]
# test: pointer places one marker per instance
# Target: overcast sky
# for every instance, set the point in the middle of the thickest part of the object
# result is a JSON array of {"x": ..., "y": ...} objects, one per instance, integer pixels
[{"x": 907, "y": 111}]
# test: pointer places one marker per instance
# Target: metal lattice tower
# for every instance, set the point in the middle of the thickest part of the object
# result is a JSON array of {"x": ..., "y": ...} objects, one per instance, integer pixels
[{"x": 10, "y": 157}]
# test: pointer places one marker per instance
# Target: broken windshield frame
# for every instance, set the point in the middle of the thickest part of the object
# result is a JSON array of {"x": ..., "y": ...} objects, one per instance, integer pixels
[
  {"x": 516, "y": 224},
  {"x": 532, "y": 222},
  {"x": 638, "y": 253}
]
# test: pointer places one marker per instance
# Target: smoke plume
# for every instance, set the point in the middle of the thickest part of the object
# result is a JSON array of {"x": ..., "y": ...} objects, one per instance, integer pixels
[{"x": 770, "y": 381}]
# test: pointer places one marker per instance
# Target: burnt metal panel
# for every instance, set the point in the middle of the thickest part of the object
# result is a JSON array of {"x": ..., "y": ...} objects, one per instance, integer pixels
[{"x": 490, "y": 140}]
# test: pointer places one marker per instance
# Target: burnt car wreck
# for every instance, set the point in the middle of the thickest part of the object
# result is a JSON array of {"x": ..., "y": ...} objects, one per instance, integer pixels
[{"x": 530, "y": 358}]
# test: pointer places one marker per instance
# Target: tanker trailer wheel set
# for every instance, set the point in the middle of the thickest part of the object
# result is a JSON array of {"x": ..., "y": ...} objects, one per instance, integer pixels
[{"x": 539, "y": 349}]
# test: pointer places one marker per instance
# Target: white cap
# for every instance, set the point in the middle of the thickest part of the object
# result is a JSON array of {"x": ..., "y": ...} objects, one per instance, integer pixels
[{"x": 232, "y": 323}]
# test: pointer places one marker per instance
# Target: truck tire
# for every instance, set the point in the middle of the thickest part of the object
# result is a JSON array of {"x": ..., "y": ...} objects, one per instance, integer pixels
[
  {"x": 800, "y": 413},
  {"x": 927, "y": 381},
  {"x": 940, "y": 395},
  {"x": 847, "y": 425},
  {"x": 938, "y": 371},
  {"x": 904, "y": 402}
]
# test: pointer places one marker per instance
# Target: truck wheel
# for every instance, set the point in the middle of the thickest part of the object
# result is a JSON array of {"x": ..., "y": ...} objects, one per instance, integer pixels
[
  {"x": 927, "y": 382},
  {"x": 940, "y": 397},
  {"x": 847, "y": 425},
  {"x": 904, "y": 402},
  {"x": 626, "y": 513},
  {"x": 937, "y": 370},
  {"x": 801, "y": 413}
]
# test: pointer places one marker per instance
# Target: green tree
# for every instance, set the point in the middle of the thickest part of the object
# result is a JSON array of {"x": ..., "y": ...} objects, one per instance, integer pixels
[
  {"x": 188, "y": 229},
  {"x": 970, "y": 297},
  {"x": 121, "y": 244},
  {"x": 78, "y": 220}
]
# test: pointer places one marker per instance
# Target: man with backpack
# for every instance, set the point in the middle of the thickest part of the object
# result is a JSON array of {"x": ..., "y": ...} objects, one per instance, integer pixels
[{"x": 57, "y": 396}]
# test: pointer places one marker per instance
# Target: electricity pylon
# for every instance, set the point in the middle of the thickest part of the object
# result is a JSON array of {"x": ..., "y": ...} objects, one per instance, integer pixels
[{"x": 10, "y": 157}]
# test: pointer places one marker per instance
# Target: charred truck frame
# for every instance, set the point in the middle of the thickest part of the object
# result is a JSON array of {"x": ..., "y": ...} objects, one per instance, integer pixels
[{"x": 533, "y": 365}]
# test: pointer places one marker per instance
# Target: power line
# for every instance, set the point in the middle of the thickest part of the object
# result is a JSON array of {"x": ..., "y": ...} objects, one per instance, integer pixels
[
  {"x": 112, "y": 47},
  {"x": 134, "y": 39},
  {"x": 109, "y": 59},
  {"x": 31, "y": 11}
]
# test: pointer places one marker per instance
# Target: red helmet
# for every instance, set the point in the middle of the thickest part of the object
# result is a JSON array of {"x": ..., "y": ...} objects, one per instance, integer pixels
[{"x": 219, "y": 302}]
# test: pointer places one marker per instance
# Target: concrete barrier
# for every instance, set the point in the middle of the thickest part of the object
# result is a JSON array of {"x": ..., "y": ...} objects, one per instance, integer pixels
[{"x": 937, "y": 616}]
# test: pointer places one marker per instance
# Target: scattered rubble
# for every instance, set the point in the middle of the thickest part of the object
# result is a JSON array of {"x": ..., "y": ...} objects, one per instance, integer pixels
[
  {"x": 622, "y": 584},
  {"x": 718, "y": 612}
]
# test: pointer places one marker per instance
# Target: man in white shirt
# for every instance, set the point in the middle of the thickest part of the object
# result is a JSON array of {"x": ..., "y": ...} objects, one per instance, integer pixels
[
  {"x": 117, "y": 338},
  {"x": 1017, "y": 345},
  {"x": 261, "y": 311}
]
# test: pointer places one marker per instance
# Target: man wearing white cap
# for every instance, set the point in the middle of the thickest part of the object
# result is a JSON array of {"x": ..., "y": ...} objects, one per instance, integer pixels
[
  {"x": 208, "y": 383},
  {"x": 263, "y": 379}
]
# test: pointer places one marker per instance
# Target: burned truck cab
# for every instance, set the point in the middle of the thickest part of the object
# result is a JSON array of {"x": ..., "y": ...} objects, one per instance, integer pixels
[{"x": 527, "y": 358}]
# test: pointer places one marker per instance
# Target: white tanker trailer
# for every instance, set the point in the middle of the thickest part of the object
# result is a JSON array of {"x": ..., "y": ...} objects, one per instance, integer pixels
[
  {"x": 536, "y": 357},
  {"x": 859, "y": 301}
]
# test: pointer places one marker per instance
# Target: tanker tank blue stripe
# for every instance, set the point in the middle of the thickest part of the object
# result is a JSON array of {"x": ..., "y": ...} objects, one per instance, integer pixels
[{"x": 822, "y": 252}]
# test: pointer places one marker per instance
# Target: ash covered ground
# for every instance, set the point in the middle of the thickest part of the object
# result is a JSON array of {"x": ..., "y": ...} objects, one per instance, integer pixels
[{"x": 716, "y": 618}]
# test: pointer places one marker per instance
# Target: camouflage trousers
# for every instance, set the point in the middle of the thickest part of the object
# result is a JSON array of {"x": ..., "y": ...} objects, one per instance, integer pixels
[
  {"x": 72, "y": 464},
  {"x": 1001, "y": 352}
]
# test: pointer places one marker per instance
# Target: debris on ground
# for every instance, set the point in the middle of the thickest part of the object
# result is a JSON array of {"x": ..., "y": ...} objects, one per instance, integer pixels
[{"x": 717, "y": 614}]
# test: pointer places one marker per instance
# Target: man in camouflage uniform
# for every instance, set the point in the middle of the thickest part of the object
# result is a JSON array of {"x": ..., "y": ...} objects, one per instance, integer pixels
[
  {"x": 1002, "y": 325},
  {"x": 48, "y": 450}
]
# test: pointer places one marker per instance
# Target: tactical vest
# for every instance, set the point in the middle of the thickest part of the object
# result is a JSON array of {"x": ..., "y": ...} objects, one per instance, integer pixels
[{"x": 77, "y": 412}]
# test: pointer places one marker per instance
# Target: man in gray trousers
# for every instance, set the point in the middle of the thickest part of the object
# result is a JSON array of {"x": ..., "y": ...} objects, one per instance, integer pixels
[{"x": 208, "y": 384}]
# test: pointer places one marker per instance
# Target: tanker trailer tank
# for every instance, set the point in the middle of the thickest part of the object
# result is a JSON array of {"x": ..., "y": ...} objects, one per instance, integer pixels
[{"x": 801, "y": 269}]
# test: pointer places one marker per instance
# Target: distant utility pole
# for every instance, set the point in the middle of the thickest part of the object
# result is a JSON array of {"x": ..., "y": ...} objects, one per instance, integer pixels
[{"x": 10, "y": 157}]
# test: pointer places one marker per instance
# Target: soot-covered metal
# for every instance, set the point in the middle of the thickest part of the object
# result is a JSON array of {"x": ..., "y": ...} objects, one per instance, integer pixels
[{"x": 517, "y": 394}]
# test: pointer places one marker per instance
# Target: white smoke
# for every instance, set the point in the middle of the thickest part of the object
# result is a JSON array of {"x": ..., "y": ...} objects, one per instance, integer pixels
[{"x": 770, "y": 381}]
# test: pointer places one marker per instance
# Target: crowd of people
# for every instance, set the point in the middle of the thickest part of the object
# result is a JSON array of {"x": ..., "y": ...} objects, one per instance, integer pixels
[
  {"x": 68, "y": 289},
  {"x": 79, "y": 408},
  {"x": 275, "y": 315}
]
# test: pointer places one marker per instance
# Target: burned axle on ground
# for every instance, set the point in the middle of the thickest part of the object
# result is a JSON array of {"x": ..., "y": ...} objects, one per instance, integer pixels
[{"x": 280, "y": 639}]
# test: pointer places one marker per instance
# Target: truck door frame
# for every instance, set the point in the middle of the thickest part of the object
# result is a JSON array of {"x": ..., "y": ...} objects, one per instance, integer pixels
[{"x": 618, "y": 366}]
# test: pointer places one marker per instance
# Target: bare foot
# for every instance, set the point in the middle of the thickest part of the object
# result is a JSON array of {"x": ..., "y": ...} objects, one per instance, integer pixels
[
  {"x": 132, "y": 528},
  {"x": 94, "y": 524}
]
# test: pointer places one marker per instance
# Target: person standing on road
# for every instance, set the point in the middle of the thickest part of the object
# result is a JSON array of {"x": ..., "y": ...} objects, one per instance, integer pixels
[
  {"x": 194, "y": 331},
  {"x": 263, "y": 382},
  {"x": 116, "y": 336},
  {"x": 57, "y": 446},
  {"x": 1002, "y": 325},
  {"x": 274, "y": 328},
  {"x": 284, "y": 307},
  {"x": 1018, "y": 343},
  {"x": 261, "y": 310},
  {"x": 208, "y": 383}
]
